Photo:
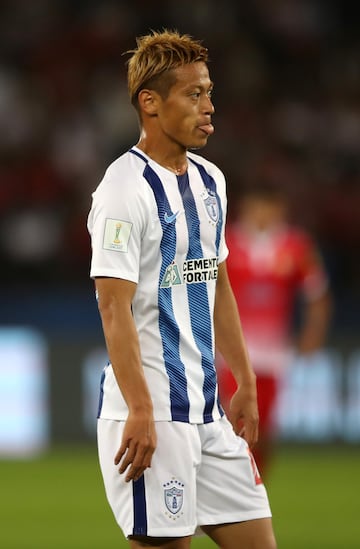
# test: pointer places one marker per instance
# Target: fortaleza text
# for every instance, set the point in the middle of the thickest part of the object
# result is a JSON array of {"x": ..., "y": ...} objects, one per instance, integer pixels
[{"x": 193, "y": 272}]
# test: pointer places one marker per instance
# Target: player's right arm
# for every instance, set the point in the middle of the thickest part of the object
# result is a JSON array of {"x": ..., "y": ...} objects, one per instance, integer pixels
[{"x": 139, "y": 439}]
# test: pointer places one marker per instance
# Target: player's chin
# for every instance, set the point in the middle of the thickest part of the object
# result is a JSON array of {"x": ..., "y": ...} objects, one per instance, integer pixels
[{"x": 198, "y": 143}]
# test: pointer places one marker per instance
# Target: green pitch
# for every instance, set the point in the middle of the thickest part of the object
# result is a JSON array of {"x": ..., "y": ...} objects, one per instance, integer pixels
[{"x": 57, "y": 501}]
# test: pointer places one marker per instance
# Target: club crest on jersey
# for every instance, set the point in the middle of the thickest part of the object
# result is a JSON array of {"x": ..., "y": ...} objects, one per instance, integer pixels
[
  {"x": 211, "y": 205},
  {"x": 174, "y": 496}
]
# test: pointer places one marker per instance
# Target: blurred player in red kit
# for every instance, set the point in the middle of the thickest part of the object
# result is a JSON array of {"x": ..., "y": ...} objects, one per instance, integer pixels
[{"x": 270, "y": 263}]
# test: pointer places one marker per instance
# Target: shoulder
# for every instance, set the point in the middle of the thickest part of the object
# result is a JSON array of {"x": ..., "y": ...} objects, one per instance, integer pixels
[
  {"x": 126, "y": 167},
  {"x": 123, "y": 192},
  {"x": 124, "y": 176}
]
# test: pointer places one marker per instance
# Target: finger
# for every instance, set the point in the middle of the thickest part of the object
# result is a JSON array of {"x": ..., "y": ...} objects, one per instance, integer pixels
[
  {"x": 238, "y": 426},
  {"x": 251, "y": 434},
  {"x": 120, "y": 453},
  {"x": 127, "y": 460},
  {"x": 141, "y": 461},
  {"x": 135, "y": 470},
  {"x": 134, "y": 458},
  {"x": 134, "y": 473},
  {"x": 147, "y": 457},
  {"x": 234, "y": 420}
]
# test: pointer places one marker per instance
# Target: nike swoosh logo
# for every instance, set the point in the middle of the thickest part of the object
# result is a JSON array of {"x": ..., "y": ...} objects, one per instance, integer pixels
[{"x": 170, "y": 218}]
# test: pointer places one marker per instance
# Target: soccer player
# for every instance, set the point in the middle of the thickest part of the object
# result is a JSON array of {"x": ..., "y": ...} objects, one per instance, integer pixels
[
  {"x": 270, "y": 263},
  {"x": 170, "y": 459}
]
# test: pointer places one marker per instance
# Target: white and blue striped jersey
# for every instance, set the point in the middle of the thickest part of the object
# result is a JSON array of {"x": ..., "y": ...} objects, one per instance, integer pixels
[{"x": 165, "y": 233}]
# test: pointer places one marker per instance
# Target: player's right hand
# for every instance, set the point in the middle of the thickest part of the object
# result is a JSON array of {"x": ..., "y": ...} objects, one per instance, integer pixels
[{"x": 137, "y": 446}]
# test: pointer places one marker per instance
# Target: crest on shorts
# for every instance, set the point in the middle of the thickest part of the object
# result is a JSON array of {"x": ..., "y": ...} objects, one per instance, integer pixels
[{"x": 174, "y": 495}]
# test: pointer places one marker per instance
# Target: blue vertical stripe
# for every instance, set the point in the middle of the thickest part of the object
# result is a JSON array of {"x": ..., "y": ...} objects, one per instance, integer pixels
[
  {"x": 101, "y": 396},
  {"x": 169, "y": 329},
  {"x": 139, "y": 502},
  {"x": 211, "y": 186},
  {"x": 200, "y": 315}
]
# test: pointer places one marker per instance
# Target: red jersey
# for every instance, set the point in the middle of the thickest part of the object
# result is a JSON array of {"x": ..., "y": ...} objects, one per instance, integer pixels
[{"x": 266, "y": 270}]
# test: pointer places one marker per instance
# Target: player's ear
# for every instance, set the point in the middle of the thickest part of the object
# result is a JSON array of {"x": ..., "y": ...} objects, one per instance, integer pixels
[{"x": 148, "y": 101}]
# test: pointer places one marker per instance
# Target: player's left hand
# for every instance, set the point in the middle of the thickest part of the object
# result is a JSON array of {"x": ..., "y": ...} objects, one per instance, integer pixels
[{"x": 244, "y": 415}]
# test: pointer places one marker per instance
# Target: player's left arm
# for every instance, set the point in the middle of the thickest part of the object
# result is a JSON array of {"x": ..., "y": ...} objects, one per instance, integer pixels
[{"x": 231, "y": 344}]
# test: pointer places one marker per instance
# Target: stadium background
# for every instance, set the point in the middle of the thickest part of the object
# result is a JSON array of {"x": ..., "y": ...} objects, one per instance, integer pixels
[{"x": 287, "y": 88}]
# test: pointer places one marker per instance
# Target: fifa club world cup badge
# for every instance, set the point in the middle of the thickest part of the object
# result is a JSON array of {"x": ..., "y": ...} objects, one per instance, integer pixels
[
  {"x": 117, "y": 235},
  {"x": 174, "y": 498}
]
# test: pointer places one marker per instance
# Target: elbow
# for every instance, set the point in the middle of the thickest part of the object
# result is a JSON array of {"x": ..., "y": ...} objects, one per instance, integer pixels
[{"x": 107, "y": 306}]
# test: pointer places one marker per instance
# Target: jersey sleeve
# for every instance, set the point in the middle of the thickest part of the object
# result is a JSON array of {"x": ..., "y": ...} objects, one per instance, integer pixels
[
  {"x": 223, "y": 249},
  {"x": 221, "y": 183},
  {"x": 115, "y": 225}
]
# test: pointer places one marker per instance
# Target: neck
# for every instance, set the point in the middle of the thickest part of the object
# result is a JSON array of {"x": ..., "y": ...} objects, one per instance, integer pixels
[
  {"x": 178, "y": 170},
  {"x": 173, "y": 160}
]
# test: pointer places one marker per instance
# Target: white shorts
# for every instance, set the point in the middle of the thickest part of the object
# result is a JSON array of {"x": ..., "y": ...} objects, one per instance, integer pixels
[{"x": 200, "y": 475}]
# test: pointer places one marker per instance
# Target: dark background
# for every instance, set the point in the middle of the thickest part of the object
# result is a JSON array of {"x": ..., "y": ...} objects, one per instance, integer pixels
[{"x": 287, "y": 100}]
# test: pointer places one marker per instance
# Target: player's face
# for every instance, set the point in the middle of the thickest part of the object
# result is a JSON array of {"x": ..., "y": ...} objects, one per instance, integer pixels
[{"x": 185, "y": 115}]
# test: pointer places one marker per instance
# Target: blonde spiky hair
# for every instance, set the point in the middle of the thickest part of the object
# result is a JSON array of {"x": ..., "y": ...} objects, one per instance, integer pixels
[{"x": 151, "y": 63}]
